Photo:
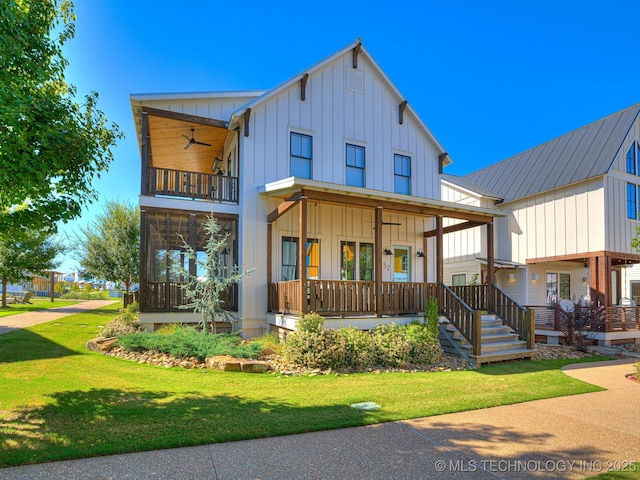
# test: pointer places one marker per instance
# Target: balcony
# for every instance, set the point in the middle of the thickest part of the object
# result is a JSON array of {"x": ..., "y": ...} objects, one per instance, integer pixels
[{"x": 193, "y": 185}]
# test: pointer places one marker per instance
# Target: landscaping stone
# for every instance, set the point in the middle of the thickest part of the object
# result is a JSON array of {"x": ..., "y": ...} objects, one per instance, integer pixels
[{"x": 101, "y": 344}]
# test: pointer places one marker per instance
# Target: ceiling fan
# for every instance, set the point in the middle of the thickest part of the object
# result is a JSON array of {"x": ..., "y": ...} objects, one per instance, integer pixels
[{"x": 193, "y": 141}]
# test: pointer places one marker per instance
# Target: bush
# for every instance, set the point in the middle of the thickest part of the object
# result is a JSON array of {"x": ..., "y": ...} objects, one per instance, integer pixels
[
  {"x": 349, "y": 348},
  {"x": 188, "y": 342},
  {"x": 125, "y": 323},
  {"x": 432, "y": 317}
]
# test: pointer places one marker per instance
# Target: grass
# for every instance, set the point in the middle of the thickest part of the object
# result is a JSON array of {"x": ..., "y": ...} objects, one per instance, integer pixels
[
  {"x": 35, "y": 305},
  {"x": 60, "y": 401}
]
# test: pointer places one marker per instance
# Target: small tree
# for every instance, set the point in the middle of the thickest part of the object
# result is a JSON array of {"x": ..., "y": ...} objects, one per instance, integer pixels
[
  {"x": 24, "y": 252},
  {"x": 204, "y": 293},
  {"x": 110, "y": 246}
]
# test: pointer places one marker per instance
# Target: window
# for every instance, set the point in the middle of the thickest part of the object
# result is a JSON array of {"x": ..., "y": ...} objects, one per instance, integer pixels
[
  {"x": 301, "y": 154},
  {"x": 348, "y": 263},
  {"x": 632, "y": 205},
  {"x": 366, "y": 262},
  {"x": 402, "y": 174},
  {"x": 355, "y": 166},
  {"x": 347, "y": 260},
  {"x": 631, "y": 159},
  {"x": 558, "y": 287},
  {"x": 635, "y": 292},
  {"x": 290, "y": 270},
  {"x": 459, "y": 280}
]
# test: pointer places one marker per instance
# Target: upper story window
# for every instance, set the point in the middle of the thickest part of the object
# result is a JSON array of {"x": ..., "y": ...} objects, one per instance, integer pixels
[
  {"x": 631, "y": 159},
  {"x": 355, "y": 165},
  {"x": 301, "y": 155},
  {"x": 632, "y": 202},
  {"x": 401, "y": 174}
]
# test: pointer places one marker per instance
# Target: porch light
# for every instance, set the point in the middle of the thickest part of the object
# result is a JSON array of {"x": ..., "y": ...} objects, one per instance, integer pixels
[
  {"x": 387, "y": 251},
  {"x": 534, "y": 277},
  {"x": 420, "y": 253},
  {"x": 512, "y": 277},
  {"x": 584, "y": 280}
]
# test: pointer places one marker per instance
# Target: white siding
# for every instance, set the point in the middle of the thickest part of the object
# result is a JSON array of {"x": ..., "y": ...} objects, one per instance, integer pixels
[
  {"x": 216, "y": 108},
  {"x": 568, "y": 221}
]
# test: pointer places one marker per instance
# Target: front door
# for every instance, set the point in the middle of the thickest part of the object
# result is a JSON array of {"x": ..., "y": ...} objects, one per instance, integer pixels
[{"x": 401, "y": 264}]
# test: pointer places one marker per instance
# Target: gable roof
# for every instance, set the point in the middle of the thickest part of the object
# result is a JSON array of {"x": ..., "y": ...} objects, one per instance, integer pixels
[
  {"x": 579, "y": 155},
  {"x": 468, "y": 185},
  {"x": 235, "y": 117}
]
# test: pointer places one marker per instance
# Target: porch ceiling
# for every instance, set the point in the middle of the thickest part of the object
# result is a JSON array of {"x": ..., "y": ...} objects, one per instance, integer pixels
[
  {"x": 617, "y": 258},
  {"x": 167, "y": 134},
  {"x": 367, "y": 198}
]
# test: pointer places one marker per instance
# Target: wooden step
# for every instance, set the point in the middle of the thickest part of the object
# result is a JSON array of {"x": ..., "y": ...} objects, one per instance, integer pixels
[
  {"x": 518, "y": 354},
  {"x": 496, "y": 347}
]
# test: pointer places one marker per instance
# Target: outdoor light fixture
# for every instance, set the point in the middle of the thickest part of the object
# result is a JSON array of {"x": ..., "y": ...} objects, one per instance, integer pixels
[
  {"x": 420, "y": 253},
  {"x": 584, "y": 280},
  {"x": 387, "y": 251},
  {"x": 534, "y": 277},
  {"x": 512, "y": 277}
]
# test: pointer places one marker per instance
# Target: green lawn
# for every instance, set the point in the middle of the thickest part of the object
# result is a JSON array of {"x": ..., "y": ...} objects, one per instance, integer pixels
[
  {"x": 35, "y": 305},
  {"x": 60, "y": 401}
]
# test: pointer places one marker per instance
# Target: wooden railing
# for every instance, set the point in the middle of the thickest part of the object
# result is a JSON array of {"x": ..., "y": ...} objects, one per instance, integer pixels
[
  {"x": 350, "y": 297},
  {"x": 473, "y": 295},
  {"x": 129, "y": 298},
  {"x": 617, "y": 318},
  {"x": 621, "y": 318},
  {"x": 467, "y": 320},
  {"x": 170, "y": 296},
  {"x": 284, "y": 297},
  {"x": 519, "y": 318},
  {"x": 180, "y": 183}
]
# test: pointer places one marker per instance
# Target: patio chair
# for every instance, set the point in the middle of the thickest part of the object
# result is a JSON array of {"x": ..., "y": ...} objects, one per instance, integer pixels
[
  {"x": 566, "y": 305},
  {"x": 24, "y": 299}
]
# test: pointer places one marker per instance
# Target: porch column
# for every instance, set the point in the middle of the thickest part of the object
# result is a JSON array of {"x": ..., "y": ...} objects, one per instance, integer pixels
[
  {"x": 142, "y": 295},
  {"x": 302, "y": 254},
  {"x": 193, "y": 270},
  {"x": 425, "y": 263},
  {"x": 378, "y": 260},
  {"x": 439, "y": 250},
  {"x": 490, "y": 266},
  {"x": 269, "y": 255},
  {"x": 593, "y": 279},
  {"x": 146, "y": 152}
]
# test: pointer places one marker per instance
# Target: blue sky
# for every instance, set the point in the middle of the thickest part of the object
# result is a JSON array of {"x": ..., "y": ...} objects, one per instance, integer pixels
[{"x": 489, "y": 79}]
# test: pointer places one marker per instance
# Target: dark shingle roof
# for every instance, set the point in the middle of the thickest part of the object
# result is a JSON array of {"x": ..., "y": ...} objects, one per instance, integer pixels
[{"x": 584, "y": 153}]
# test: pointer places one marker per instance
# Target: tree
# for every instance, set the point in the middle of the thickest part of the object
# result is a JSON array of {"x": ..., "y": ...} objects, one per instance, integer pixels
[
  {"x": 110, "y": 246},
  {"x": 25, "y": 252},
  {"x": 51, "y": 146},
  {"x": 635, "y": 241},
  {"x": 204, "y": 293}
]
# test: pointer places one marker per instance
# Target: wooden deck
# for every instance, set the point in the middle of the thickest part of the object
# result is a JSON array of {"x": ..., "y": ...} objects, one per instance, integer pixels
[{"x": 194, "y": 185}]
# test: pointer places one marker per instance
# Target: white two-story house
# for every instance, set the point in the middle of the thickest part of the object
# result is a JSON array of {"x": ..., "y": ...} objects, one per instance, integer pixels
[
  {"x": 571, "y": 210},
  {"x": 328, "y": 186}
]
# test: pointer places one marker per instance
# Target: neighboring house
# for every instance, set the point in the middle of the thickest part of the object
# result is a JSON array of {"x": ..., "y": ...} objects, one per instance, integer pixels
[
  {"x": 572, "y": 208},
  {"x": 328, "y": 184}
]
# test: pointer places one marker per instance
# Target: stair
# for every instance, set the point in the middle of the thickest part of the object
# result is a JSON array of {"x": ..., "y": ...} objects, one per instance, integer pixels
[{"x": 499, "y": 343}]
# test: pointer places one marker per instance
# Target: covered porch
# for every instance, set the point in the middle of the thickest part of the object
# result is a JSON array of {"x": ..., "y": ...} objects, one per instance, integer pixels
[{"x": 395, "y": 242}]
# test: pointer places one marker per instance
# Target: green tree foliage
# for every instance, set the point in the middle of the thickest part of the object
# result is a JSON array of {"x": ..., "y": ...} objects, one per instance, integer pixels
[
  {"x": 109, "y": 247},
  {"x": 205, "y": 293},
  {"x": 51, "y": 146},
  {"x": 24, "y": 252},
  {"x": 635, "y": 242}
]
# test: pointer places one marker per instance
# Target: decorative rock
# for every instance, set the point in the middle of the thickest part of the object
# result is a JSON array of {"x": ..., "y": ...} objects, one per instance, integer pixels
[{"x": 102, "y": 344}]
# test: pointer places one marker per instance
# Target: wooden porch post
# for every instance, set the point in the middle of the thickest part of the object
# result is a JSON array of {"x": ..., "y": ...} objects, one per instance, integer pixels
[
  {"x": 604, "y": 280},
  {"x": 425, "y": 263},
  {"x": 593, "y": 279},
  {"x": 192, "y": 242},
  {"x": 490, "y": 265},
  {"x": 378, "y": 260},
  {"x": 439, "y": 250},
  {"x": 142, "y": 296},
  {"x": 269, "y": 254},
  {"x": 146, "y": 153},
  {"x": 302, "y": 252}
]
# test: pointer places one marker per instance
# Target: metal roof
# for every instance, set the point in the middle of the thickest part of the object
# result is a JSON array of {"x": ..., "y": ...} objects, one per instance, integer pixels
[
  {"x": 467, "y": 184},
  {"x": 579, "y": 155}
]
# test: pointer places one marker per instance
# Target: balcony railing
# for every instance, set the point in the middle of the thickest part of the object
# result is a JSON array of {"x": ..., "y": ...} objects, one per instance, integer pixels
[
  {"x": 179, "y": 183},
  {"x": 170, "y": 296},
  {"x": 615, "y": 319}
]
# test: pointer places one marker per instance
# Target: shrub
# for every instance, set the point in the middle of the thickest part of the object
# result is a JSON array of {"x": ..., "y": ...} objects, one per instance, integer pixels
[
  {"x": 188, "y": 342},
  {"x": 392, "y": 345},
  {"x": 425, "y": 345},
  {"x": 359, "y": 349},
  {"x": 314, "y": 349},
  {"x": 432, "y": 317},
  {"x": 125, "y": 323},
  {"x": 310, "y": 322},
  {"x": 269, "y": 342}
]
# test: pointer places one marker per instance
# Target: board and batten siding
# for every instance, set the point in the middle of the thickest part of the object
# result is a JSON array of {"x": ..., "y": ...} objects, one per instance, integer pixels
[
  {"x": 209, "y": 107},
  {"x": 564, "y": 221},
  {"x": 336, "y": 111},
  {"x": 465, "y": 245}
]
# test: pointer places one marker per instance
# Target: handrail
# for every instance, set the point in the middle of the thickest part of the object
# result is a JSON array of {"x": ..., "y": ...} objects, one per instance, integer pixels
[
  {"x": 519, "y": 318},
  {"x": 182, "y": 183},
  {"x": 467, "y": 320}
]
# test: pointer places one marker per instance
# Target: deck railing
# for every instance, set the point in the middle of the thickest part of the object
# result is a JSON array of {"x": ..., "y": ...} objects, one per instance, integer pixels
[
  {"x": 473, "y": 295},
  {"x": 170, "y": 296},
  {"x": 466, "y": 319},
  {"x": 614, "y": 319},
  {"x": 519, "y": 318},
  {"x": 180, "y": 183},
  {"x": 350, "y": 297}
]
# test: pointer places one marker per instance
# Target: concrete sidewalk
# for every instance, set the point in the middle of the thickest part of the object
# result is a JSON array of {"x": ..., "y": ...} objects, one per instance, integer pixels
[
  {"x": 568, "y": 437},
  {"x": 28, "y": 319}
]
